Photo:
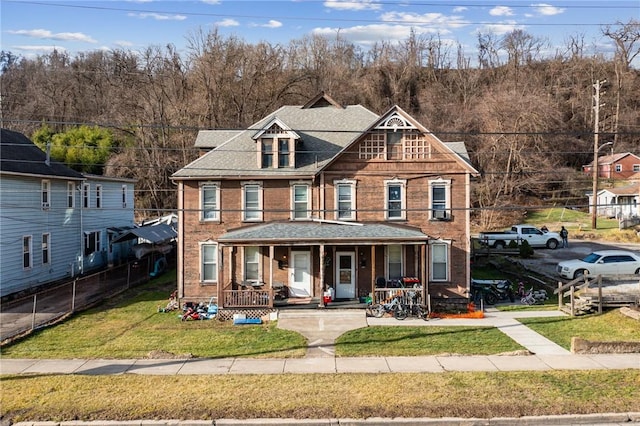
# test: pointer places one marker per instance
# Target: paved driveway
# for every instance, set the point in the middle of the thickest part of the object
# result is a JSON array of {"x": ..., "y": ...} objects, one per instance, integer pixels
[{"x": 545, "y": 260}]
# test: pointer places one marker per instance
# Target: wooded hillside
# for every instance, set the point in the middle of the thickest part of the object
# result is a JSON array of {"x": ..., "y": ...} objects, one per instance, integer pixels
[{"x": 526, "y": 115}]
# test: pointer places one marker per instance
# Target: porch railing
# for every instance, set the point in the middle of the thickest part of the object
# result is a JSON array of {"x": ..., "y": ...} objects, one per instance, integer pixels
[
  {"x": 247, "y": 298},
  {"x": 406, "y": 295}
]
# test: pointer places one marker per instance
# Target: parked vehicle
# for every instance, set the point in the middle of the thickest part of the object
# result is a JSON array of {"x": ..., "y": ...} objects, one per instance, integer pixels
[
  {"x": 492, "y": 291},
  {"x": 603, "y": 262},
  {"x": 518, "y": 233}
]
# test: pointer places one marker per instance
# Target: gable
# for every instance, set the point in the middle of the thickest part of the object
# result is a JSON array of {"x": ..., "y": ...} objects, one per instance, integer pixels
[{"x": 398, "y": 137}]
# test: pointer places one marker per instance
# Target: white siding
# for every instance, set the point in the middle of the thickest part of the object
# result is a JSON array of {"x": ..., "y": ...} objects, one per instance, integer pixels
[{"x": 22, "y": 214}]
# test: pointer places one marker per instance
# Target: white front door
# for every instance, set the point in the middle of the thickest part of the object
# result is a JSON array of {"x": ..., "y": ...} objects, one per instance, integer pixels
[
  {"x": 345, "y": 275},
  {"x": 300, "y": 281}
]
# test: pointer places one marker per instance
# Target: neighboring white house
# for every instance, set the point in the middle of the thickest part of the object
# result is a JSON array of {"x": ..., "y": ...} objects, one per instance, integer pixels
[
  {"x": 621, "y": 203},
  {"x": 56, "y": 223}
]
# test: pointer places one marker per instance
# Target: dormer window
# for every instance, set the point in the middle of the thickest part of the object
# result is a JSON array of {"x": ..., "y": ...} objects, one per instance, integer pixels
[
  {"x": 276, "y": 146},
  {"x": 283, "y": 152},
  {"x": 267, "y": 152}
]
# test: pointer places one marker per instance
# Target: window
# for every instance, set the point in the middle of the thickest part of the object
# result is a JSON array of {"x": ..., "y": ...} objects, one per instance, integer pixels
[
  {"x": 85, "y": 195},
  {"x": 395, "y": 199},
  {"x": 71, "y": 189},
  {"x": 91, "y": 242},
  {"x": 283, "y": 152},
  {"x": 209, "y": 262},
  {"x": 252, "y": 201},
  {"x": 46, "y": 252},
  {"x": 209, "y": 205},
  {"x": 394, "y": 262},
  {"x": 46, "y": 194},
  {"x": 440, "y": 199},
  {"x": 439, "y": 261},
  {"x": 124, "y": 196},
  {"x": 98, "y": 196},
  {"x": 618, "y": 167},
  {"x": 372, "y": 147},
  {"x": 345, "y": 200},
  {"x": 636, "y": 168},
  {"x": 267, "y": 152},
  {"x": 251, "y": 263},
  {"x": 394, "y": 145},
  {"x": 300, "y": 199},
  {"x": 26, "y": 252}
]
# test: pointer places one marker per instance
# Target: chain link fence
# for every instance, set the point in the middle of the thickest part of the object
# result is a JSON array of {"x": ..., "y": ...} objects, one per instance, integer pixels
[{"x": 24, "y": 315}]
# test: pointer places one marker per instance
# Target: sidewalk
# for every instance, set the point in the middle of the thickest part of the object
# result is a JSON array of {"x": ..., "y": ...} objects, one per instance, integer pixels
[
  {"x": 326, "y": 365},
  {"x": 322, "y": 327}
]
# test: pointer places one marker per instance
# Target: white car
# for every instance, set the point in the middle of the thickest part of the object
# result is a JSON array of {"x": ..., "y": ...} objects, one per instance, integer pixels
[{"x": 603, "y": 262}]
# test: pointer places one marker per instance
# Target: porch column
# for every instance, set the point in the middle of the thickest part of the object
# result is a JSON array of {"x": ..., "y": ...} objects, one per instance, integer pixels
[
  {"x": 321, "y": 263},
  {"x": 374, "y": 275},
  {"x": 425, "y": 275},
  {"x": 271, "y": 266},
  {"x": 220, "y": 276},
  {"x": 270, "y": 287}
]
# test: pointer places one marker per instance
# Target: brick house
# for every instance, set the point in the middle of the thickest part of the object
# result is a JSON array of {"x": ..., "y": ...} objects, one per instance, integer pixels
[
  {"x": 625, "y": 165},
  {"x": 323, "y": 196}
]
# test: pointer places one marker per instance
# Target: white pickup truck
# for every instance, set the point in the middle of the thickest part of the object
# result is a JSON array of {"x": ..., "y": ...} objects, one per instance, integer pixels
[{"x": 534, "y": 236}]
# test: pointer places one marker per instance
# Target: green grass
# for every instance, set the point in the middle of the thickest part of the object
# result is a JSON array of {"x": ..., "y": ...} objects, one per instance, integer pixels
[
  {"x": 417, "y": 341},
  {"x": 313, "y": 396},
  {"x": 607, "y": 327},
  {"x": 579, "y": 225},
  {"x": 130, "y": 326}
]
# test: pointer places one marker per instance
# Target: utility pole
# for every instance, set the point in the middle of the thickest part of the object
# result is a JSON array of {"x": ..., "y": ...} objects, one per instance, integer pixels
[{"x": 596, "y": 129}]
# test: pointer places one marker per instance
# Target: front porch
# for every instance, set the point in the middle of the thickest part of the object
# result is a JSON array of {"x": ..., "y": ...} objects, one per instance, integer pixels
[{"x": 283, "y": 263}]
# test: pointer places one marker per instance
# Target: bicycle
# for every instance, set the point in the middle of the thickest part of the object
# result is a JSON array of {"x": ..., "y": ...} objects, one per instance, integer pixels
[{"x": 379, "y": 309}]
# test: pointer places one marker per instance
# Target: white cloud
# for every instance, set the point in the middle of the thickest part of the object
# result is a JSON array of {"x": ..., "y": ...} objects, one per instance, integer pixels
[
  {"x": 459, "y": 9},
  {"x": 439, "y": 21},
  {"x": 367, "y": 35},
  {"x": 228, "y": 23},
  {"x": 547, "y": 9},
  {"x": 270, "y": 24},
  {"x": 123, "y": 43},
  {"x": 273, "y": 24},
  {"x": 500, "y": 28},
  {"x": 211, "y": 1},
  {"x": 157, "y": 16},
  {"x": 34, "y": 48},
  {"x": 46, "y": 34},
  {"x": 352, "y": 5},
  {"x": 501, "y": 11}
]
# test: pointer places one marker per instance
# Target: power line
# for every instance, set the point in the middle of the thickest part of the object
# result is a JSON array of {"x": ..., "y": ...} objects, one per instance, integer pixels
[{"x": 332, "y": 19}]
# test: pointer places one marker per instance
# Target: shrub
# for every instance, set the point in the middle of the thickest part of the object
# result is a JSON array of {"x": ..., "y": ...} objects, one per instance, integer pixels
[{"x": 526, "y": 250}]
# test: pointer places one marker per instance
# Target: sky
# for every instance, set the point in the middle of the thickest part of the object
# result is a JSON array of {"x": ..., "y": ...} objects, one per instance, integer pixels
[{"x": 29, "y": 28}]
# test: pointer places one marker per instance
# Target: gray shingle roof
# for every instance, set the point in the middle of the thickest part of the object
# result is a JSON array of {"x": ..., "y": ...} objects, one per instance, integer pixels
[
  {"x": 214, "y": 138},
  {"x": 18, "y": 154},
  {"x": 318, "y": 232},
  {"x": 325, "y": 131}
]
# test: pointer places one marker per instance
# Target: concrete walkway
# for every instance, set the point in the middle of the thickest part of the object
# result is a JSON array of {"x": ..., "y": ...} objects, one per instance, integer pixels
[{"x": 322, "y": 327}]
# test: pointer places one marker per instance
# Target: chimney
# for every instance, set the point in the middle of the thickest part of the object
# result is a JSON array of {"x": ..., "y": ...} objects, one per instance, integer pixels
[{"x": 48, "y": 159}]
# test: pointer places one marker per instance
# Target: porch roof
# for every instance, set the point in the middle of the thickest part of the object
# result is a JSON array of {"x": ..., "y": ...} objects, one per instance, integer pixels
[{"x": 318, "y": 232}]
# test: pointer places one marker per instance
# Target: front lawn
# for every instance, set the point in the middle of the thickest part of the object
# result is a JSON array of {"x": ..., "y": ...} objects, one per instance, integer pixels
[
  {"x": 607, "y": 327},
  {"x": 418, "y": 341},
  {"x": 130, "y": 326}
]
